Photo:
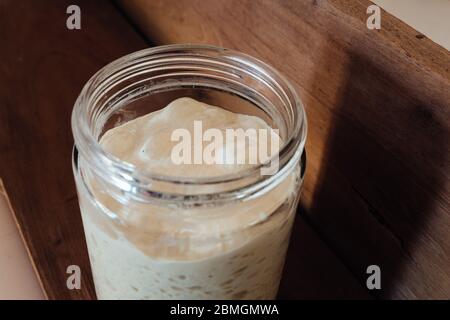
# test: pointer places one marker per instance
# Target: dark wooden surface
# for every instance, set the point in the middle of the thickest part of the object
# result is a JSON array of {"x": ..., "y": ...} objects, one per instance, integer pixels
[
  {"x": 43, "y": 67},
  {"x": 377, "y": 188}
]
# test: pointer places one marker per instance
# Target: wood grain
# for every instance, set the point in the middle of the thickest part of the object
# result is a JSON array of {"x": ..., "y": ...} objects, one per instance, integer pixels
[
  {"x": 377, "y": 188},
  {"x": 44, "y": 67}
]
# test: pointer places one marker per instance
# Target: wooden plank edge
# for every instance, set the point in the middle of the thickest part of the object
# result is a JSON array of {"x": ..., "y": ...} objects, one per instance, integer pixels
[{"x": 22, "y": 237}]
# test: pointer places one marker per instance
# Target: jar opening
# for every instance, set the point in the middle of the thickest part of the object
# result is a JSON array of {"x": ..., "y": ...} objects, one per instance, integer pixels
[{"x": 129, "y": 86}]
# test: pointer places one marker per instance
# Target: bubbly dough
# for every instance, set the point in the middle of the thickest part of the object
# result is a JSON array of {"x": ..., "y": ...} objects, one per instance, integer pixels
[
  {"x": 234, "y": 251},
  {"x": 146, "y": 141}
]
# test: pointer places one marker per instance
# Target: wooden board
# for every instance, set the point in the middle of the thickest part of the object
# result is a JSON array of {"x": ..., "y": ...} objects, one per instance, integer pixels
[
  {"x": 18, "y": 274},
  {"x": 44, "y": 67},
  {"x": 378, "y": 101}
]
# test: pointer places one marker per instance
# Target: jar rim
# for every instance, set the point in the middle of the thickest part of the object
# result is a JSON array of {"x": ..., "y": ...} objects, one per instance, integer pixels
[{"x": 87, "y": 144}]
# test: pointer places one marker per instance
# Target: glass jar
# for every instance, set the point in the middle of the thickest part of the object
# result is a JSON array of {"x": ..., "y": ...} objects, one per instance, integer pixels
[{"x": 152, "y": 236}]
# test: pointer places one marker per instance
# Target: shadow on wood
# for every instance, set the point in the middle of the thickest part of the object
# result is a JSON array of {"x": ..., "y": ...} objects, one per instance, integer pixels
[
  {"x": 381, "y": 192},
  {"x": 312, "y": 271}
]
